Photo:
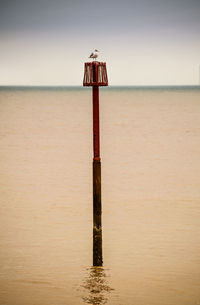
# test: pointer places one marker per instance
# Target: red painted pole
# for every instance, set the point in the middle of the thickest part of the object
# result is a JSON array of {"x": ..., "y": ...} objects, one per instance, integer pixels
[
  {"x": 97, "y": 227},
  {"x": 96, "y": 140}
]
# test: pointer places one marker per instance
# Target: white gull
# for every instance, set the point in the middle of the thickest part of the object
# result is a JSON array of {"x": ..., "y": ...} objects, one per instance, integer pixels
[{"x": 94, "y": 54}]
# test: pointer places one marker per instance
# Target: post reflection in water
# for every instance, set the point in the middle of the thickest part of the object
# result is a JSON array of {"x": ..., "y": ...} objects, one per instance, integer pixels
[{"x": 97, "y": 286}]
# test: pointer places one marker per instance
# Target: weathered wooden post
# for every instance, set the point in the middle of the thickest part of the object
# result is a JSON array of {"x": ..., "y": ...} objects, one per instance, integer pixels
[{"x": 95, "y": 75}]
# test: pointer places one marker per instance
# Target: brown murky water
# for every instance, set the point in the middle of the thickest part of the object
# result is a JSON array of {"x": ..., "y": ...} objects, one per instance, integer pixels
[{"x": 150, "y": 148}]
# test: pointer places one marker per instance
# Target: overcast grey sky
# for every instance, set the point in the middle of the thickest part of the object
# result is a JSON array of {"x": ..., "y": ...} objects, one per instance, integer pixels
[{"x": 146, "y": 42}]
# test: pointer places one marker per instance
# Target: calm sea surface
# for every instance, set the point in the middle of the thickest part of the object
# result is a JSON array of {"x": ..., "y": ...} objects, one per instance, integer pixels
[{"x": 150, "y": 150}]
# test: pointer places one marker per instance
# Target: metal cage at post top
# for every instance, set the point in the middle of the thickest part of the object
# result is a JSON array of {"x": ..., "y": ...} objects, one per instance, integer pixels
[{"x": 95, "y": 74}]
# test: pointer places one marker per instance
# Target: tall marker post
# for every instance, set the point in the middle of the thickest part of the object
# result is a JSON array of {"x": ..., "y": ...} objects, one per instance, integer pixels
[{"x": 95, "y": 75}]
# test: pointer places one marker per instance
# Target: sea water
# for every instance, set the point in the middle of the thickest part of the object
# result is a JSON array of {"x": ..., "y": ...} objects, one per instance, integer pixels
[{"x": 150, "y": 148}]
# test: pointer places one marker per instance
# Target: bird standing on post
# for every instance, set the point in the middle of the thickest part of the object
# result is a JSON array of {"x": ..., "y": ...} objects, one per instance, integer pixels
[{"x": 94, "y": 54}]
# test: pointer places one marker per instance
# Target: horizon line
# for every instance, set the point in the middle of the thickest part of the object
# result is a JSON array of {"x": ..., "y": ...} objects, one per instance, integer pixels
[{"x": 65, "y": 86}]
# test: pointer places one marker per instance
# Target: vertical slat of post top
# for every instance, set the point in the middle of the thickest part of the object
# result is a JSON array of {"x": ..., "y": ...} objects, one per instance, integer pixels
[
  {"x": 105, "y": 72},
  {"x": 106, "y": 75},
  {"x": 96, "y": 72},
  {"x": 84, "y": 75},
  {"x": 100, "y": 73},
  {"x": 84, "y": 78},
  {"x": 91, "y": 74},
  {"x": 88, "y": 75}
]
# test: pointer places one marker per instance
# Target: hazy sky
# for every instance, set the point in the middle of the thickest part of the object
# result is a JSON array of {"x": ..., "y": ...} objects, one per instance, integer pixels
[{"x": 144, "y": 42}]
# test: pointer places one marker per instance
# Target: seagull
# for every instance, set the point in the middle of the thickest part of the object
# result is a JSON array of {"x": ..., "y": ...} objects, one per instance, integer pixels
[{"x": 94, "y": 54}]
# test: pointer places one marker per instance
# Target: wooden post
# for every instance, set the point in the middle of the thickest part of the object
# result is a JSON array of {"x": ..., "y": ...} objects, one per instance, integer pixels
[{"x": 97, "y": 227}]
